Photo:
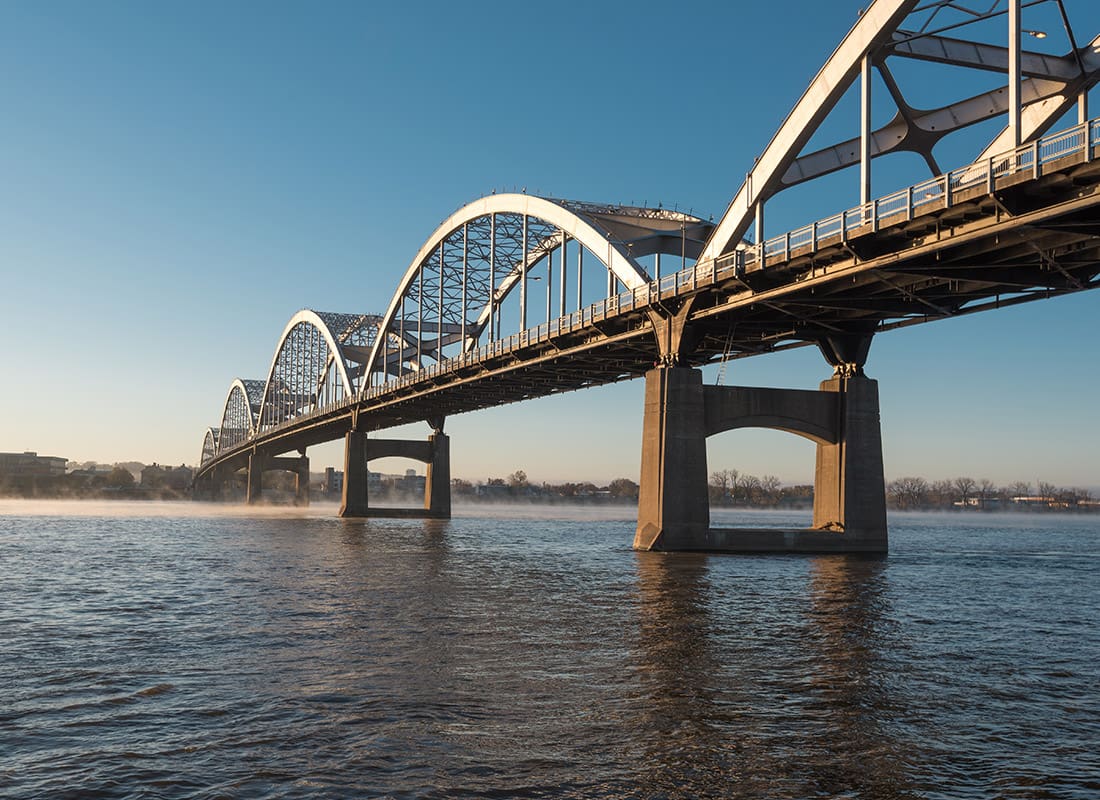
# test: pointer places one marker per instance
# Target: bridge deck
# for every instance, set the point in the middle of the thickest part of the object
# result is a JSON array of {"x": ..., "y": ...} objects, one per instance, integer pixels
[{"x": 1021, "y": 227}]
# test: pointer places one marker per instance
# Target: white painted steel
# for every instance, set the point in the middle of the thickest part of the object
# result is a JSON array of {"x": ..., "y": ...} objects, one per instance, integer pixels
[{"x": 881, "y": 19}]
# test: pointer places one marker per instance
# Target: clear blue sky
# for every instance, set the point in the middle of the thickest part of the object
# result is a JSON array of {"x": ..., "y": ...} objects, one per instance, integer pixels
[{"x": 179, "y": 178}]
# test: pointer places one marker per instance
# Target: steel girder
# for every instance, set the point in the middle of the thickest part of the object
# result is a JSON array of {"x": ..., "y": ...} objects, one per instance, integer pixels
[{"x": 1051, "y": 87}]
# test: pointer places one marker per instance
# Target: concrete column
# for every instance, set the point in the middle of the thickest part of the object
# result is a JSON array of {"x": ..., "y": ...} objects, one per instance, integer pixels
[
  {"x": 301, "y": 482},
  {"x": 207, "y": 488},
  {"x": 673, "y": 507},
  {"x": 355, "y": 475},
  {"x": 437, "y": 485},
  {"x": 849, "y": 487},
  {"x": 255, "y": 483},
  {"x": 217, "y": 484}
]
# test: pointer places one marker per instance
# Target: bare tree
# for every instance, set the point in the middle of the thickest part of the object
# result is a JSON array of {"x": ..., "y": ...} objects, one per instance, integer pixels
[
  {"x": 769, "y": 489},
  {"x": 941, "y": 493},
  {"x": 908, "y": 493},
  {"x": 964, "y": 487},
  {"x": 749, "y": 488},
  {"x": 720, "y": 479},
  {"x": 721, "y": 483}
]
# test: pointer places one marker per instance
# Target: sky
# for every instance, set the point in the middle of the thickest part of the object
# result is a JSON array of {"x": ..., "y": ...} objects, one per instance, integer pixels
[{"x": 178, "y": 179}]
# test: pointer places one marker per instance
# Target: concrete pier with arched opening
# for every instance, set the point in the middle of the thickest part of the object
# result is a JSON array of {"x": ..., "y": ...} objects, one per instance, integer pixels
[{"x": 841, "y": 417}]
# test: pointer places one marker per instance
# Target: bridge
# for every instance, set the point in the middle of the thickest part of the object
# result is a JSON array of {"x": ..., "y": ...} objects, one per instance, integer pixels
[{"x": 517, "y": 296}]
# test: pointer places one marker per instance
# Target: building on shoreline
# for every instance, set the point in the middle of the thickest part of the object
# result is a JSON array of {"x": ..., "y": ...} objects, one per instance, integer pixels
[{"x": 31, "y": 465}]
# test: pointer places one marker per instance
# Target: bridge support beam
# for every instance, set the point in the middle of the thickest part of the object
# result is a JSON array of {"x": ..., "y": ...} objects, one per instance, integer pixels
[
  {"x": 301, "y": 481},
  {"x": 255, "y": 480},
  {"x": 849, "y": 489},
  {"x": 354, "y": 502},
  {"x": 299, "y": 466},
  {"x": 210, "y": 488},
  {"x": 437, "y": 486},
  {"x": 435, "y": 452},
  {"x": 673, "y": 509}
]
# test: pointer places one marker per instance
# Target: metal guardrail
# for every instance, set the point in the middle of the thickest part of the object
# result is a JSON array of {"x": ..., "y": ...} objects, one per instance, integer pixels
[
  {"x": 933, "y": 194},
  {"x": 922, "y": 198}
]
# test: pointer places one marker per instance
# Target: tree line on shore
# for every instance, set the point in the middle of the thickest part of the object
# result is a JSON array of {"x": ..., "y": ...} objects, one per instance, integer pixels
[
  {"x": 916, "y": 493},
  {"x": 731, "y": 487},
  {"x": 517, "y": 486},
  {"x": 726, "y": 487}
]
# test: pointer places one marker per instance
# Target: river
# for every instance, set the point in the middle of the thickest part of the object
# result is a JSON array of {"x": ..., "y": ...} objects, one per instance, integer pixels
[{"x": 182, "y": 651}]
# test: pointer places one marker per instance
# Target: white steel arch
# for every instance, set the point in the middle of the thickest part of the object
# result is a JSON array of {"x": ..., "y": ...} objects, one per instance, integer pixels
[
  {"x": 615, "y": 235},
  {"x": 300, "y": 374},
  {"x": 240, "y": 412},
  {"x": 209, "y": 445},
  {"x": 1040, "y": 88}
]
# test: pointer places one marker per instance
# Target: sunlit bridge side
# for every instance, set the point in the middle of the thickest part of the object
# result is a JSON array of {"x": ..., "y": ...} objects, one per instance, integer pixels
[{"x": 516, "y": 296}]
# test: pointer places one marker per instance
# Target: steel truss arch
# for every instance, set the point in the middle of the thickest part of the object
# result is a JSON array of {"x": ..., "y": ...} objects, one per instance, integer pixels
[
  {"x": 240, "y": 413},
  {"x": 318, "y": 361},
  {"x": 455, "y": 304},
  {"x": 209, "y": 446},
  {"x": 1046, "y": 87}
]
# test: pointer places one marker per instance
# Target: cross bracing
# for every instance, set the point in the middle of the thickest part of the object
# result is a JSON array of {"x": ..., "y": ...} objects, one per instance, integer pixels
[
  {"x": 240, "y": 412},
  {"x": 482, "y": 263},
  {"x": 1040, "y": 88},
  {"x": 209, "y": 445},
  {"x": 319, "y": 362}
]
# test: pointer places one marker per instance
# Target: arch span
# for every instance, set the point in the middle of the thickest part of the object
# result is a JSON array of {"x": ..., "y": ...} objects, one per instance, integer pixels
[
  {"x": 240, "y": 412},
  {"x": 481, "y": 254},
  {"x": 318, "y": 362},
  {"x": 209, "y": 446}
]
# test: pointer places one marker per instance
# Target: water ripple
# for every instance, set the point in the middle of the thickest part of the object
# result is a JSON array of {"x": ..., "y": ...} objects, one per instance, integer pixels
[{"x": 153, "y": 656}]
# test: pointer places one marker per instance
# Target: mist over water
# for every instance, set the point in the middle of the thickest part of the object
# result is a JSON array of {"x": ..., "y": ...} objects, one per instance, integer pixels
[{"x": 184, "y": 650}]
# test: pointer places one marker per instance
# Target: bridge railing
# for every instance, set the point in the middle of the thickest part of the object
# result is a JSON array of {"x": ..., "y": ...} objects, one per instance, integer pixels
[
  {"x": 924, "y": 197},
  {"x": 904, "y": 205}
]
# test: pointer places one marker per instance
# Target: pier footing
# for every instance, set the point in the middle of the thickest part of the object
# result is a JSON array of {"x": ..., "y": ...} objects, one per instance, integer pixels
[
  {"x": 435, "y": 452},
  {"x": 849, "y": 489}
]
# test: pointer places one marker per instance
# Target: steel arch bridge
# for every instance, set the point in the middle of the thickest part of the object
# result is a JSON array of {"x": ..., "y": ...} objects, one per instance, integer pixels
[{"x": 517, "y": 296}]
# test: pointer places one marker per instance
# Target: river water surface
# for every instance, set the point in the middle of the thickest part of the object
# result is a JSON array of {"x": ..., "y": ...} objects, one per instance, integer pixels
[{"x": 154, "y": 651}]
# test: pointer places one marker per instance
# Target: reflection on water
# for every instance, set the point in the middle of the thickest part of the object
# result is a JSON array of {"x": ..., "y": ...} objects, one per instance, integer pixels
[
  {"x": 848, "y": 617},
  {"x": 307, "y": 656},
  {"x": 719, "y": 703}
]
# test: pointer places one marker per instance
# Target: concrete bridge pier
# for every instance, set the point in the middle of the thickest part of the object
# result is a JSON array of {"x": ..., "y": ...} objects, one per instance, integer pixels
[
  {"x": 841, "y": 417},
  {"x": 437, "y": 486},
  {"x": 254, "y": 482},
  {"x": 673, "y": 507},
  {"x": 211, "y": 487},
  {"x": 849, "y": 486},
  {"x": 299, "y": 466},
  {"x": 258, "y": 464},
  {"x": 435, "y": 452},
  {"x": 354, "y": 501}
]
